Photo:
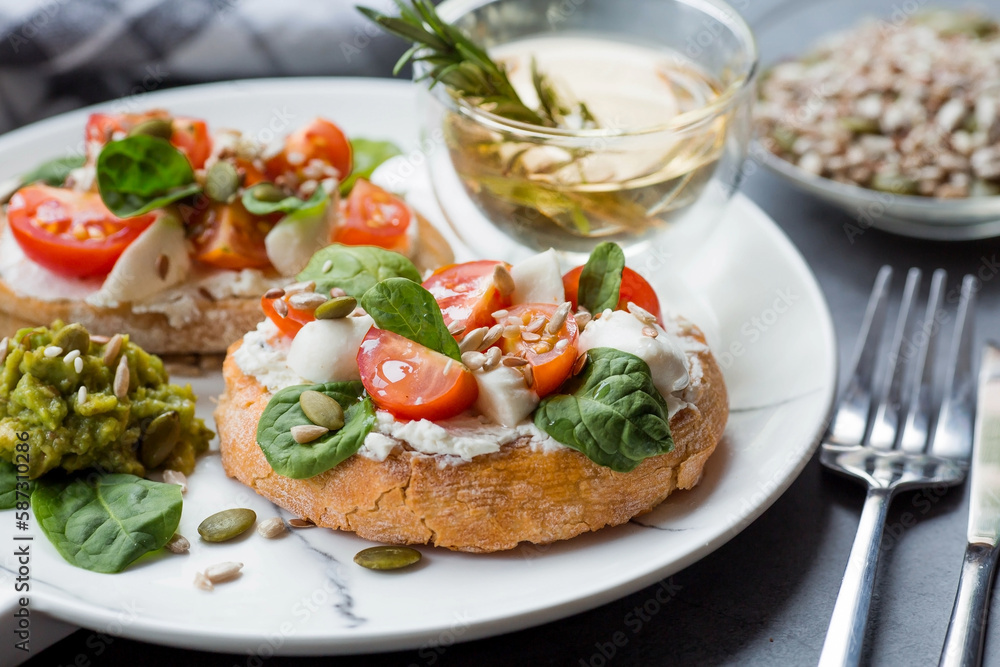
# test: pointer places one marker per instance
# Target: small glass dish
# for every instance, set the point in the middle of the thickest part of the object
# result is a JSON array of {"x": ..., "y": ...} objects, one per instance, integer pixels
[
  {"x": 792, "y": 30},
  {"x": 666, "y": 181}
]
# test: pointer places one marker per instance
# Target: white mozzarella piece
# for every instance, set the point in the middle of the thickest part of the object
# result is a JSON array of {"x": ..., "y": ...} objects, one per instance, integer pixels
[
  {"x": 538, "y": 279},
  {"x": 327, "y": 350},
  {"x": 503, "y": 396}
]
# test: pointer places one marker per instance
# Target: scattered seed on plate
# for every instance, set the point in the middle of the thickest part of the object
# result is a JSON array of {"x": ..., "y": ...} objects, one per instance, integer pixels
[
  {"x": 387, "y": 557},
  {"x": 271, "y": 528},
  {"x": 175, "y": 477},
  {"x": 301, "y": 523},
  {"x": 202, "y": 582},
  {"x": 178, "y": 544},
  {"x": 220, "y": 572},
  {"x": 52, "y": 351},
  {"x": 227, "y": 524}
]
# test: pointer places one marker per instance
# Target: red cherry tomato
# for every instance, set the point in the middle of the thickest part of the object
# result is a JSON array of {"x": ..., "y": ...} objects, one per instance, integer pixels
[
  {"x": 229, "y": 237},
  {"x": 550, "y": 364},
  {"x": 634, "y": 288},
  {"x": 467, "y": 294},
  {"x": 412, "y": 381},
  {"x": 190, "y": 135},
  {"x": 70, "y": 233},
  {"x": 319, "y": 140},
  {"x": 293, "y": 320},
  {"x": 372, "y": 216}
]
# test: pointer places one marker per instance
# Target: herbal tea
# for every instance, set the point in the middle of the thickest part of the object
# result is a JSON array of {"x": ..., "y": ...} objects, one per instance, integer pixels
[{"x": 626, "y": 176}]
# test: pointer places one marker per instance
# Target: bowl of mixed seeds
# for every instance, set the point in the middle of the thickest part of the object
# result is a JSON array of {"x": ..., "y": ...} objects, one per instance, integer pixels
[{"x": 897, "y": 121}]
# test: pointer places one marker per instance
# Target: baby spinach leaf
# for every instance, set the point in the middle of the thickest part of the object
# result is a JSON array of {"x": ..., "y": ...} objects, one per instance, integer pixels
[
  {"x": 368, "y": 154},
  {"x": 601, "y": 278},
  {"x": 141, "y": 173},
  {"x": 356, "y": 268},
  {"x": 104, "y": 522},
  {"x": 299, "y": 461},
  {"x": 610, "y": 411},
  {"x": 262, "y": 199},
  {"x": 53, "y": 172},
  {"x": 8, "y": 485},
  {"x": 404, "y": 307}
]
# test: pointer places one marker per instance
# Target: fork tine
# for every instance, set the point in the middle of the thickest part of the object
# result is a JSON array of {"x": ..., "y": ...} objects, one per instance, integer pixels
[
  {"x": 889, "y": 400},
  {"x": 916, "y": 430},
  {"x": 849, "y": 421},
  {"x": 953, "y": 431}
]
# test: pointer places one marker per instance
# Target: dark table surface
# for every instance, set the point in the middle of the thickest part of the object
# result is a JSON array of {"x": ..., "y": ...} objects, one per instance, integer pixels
[{"x": 766, "y": 596}]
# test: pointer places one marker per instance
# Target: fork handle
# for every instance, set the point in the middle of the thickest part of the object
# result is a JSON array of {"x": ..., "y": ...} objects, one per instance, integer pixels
[
  {"x": 846, "y": 633},
  {"x": 963, "y": 645}
]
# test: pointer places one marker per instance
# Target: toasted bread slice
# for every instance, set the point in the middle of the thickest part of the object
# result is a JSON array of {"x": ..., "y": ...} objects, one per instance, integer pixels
[{"x": 491, "y": 503}]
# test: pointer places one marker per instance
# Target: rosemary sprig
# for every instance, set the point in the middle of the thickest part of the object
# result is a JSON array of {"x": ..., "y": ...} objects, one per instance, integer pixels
[{"x": 466, "y": 68}]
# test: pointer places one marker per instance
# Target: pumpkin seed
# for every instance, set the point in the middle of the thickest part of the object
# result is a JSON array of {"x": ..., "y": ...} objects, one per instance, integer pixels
[
  {"x": 268, "y": 192},
  {"x": 226, "y": 525},
  {"x": 387, "y": 557},
  {"x": 321, "y": 409},
  {"x": 336, "y": 308},
  {"x": 154, "y": 127},
  {"x": 222, "y": 181},
  {"x": 160, "y": 439},
  {"x": 72, "y": 337}
]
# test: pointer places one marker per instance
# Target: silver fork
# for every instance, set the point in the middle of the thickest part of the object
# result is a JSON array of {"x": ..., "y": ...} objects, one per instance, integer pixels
[{"x": 886, "y": 432}]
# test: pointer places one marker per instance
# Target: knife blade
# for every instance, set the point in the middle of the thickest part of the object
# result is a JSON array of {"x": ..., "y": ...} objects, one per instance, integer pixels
[{"x": 963, "y": 645}]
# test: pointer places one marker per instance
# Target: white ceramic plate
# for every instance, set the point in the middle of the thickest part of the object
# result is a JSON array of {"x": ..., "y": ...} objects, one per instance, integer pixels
[{"x": 302, "y": 594}]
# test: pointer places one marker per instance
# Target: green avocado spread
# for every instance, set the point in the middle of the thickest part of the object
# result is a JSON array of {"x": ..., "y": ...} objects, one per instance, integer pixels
[{"x": 151, "y": 426}]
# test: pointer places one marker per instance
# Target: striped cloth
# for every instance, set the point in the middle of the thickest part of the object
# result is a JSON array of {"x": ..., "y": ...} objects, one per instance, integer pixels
[{"x": 57, "y": 55}]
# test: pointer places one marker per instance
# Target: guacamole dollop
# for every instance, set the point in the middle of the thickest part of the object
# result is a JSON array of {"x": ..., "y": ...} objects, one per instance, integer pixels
[{"x": 67, "y": 428}]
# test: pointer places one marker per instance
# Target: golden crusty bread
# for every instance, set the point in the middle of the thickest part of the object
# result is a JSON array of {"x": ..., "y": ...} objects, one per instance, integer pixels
[
  {"x": 221, "y": 322},
  {"x": 490, "y": 503}
]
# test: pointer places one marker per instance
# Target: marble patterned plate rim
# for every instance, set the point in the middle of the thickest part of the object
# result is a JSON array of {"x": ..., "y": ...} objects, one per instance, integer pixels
[{"x": 69, "y": 607}]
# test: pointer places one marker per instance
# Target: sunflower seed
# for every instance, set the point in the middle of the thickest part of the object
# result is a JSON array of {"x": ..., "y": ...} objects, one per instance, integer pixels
[
  {"x": 529, "y": 337},
  {"x": 580, "y": 362},
  {"x": 221, "y": 572},
  {"x": 499, "y": 314},
  {"x": 560, "y": 344},
  {"x": 558, "y": 318},
  {"x": 178, "y": 544},
  {"x": 529, "y": 376},
  {"x": 307, "y": 300},
  {"x": 514, "y": 362},
  {"x": 582, "y": 318},
  {"x": 162, "y": 265},
  {"x": 81, "y": 395},
  {"x": 473, "y": 339},
  {"x": 492, "y": 336},
  {"x": 112, "y": 349},
  {"x": 473, "y": 360},
  {"x": 306, "y": 433},
  {"x": 503, "y": 280},
  {"x": 327, "y": 265},
  {"x": 492, "y": 358},
  {"x": 305, "y": 286},
  {"x": 336, "y": 291},
  {"x": 271, "y": 528},
  {"x": 175, "y": 477},
  {"x": 202, "y": 582},
  {"x": 52, "y": 351},
  {"x": 122, "y": 379},
  {"x": 511, "y": 331},
  {"x": 281, "y": 307},
  {"x": 649, "y": 331},
  {"x": 456, "y": 328},
  {"x": 274, "y": 293},
  {"x": 322, "y": 410},
  {"x": 542, "y": 347},
  {"x": 4, "y": 348},
  {"x": 78, "y": 365},
  {"x": 535, "y": 324},
  {"x": 641, "y": 313},
  {"x": 100, "y": 340},
  {"x": 301, "y": 523}
]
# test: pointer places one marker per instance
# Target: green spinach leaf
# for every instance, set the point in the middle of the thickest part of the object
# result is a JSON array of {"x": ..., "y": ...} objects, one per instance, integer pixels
[
  {"x": 601, "y": 279},
  {"x": 141, "y": 173},
  {"x": 367, "y": 155},
  {"x": 260, "y": 200},
  {"x": 8, "y": 485},
  {"x": 356, "y": 268},
  {"x": 54, "y": 172},
  {"x": 283, "y": 411},
  {"x": 105, "y": 522},
  {"x": 610, "y": 411},
  {"x": 404, "y": 307}
]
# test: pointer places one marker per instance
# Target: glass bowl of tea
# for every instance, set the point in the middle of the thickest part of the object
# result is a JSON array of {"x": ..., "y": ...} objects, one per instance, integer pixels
[{"x": 565, "y": 123}]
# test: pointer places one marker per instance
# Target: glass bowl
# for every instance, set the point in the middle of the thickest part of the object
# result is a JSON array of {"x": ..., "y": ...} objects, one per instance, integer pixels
[
  {"x": 790, "y": 30},
  {"x": 508, "y": 187}
]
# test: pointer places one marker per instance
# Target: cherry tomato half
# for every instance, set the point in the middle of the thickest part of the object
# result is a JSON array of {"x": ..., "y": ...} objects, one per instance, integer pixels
[
  {"x": 319, "y": 140},
  {"x": 467, "y": 294},
  {"x": 412, "y": 381},
  {"x": 230, "y": 237},
  {"x": 551, "y": 361},
  {"x": 70, "y": 233},
  {"x": 372, "y": 216},
  {"x": 290, "y": 323},
  {"x": 634, "y": 288}
]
